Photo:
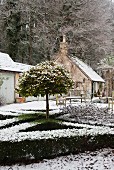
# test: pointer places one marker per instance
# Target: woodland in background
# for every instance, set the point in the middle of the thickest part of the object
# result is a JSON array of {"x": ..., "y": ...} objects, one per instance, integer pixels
[{"x": 30, "y": 31}]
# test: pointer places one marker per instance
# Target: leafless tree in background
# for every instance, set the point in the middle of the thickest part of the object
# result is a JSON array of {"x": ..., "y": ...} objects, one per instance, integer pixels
[{"x": 86, "y": 24}]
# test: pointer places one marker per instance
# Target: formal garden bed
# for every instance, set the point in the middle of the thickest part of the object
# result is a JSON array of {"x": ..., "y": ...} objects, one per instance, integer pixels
[{"x": 30, "y": 137}]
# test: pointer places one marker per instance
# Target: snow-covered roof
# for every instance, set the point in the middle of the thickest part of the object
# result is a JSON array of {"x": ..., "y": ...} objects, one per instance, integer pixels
[
  {"x": 87, "y": 70},
  {"x": 7, "y": 64},
  {"x": 23, "y": 67}
]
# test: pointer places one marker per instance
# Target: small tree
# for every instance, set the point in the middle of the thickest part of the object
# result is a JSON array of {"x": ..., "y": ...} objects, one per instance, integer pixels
[{"x": 46, "y": 78}]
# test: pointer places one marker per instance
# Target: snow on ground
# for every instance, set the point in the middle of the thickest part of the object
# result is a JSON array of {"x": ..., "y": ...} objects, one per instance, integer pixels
[
  {"x": 29, "y": 107},
  {"x": 7, "y": 121},
  {"x": 13, "y": 134},
  {"x": 98, "y": 160}
]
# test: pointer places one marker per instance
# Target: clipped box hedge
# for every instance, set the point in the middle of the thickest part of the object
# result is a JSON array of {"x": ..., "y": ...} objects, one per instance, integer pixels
[{"x": 34, "y": 150}]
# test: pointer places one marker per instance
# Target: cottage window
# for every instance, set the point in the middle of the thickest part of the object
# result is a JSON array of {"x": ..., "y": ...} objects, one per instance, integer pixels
[{"x": 83, "y": 80}]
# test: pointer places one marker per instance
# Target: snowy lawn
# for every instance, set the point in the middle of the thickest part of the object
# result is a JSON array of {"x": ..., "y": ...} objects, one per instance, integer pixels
[
  {"x": 80, "y": 127},
  {"x": 29, "y": 107},
  {"x": 13, "y": 134}
]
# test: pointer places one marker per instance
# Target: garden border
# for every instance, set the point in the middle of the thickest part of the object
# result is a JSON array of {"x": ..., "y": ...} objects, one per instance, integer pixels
[{"x": 28, "y": 151}]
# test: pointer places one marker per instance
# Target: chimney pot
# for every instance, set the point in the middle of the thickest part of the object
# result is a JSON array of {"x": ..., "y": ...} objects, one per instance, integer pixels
[{"x": 64, "y": 38}]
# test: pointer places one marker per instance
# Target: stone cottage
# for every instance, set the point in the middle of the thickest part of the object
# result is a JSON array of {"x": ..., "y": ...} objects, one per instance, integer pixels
[{"x": 86, "y": 80}]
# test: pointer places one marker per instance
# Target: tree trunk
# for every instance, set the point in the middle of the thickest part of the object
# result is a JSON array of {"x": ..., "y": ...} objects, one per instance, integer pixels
[
  {"x": 47, "y": 106},
  {"x": 30, "y": 41}
]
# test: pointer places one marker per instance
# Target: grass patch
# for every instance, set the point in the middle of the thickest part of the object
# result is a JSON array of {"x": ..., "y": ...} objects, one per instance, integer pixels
[
  {"x": 39, "y": 118},
  {"x": 28, "y": 118},
  {"x": 50, "y": 124},
  {"x": 24, "y": 118},
  {"x": 32, "y": 116},
  {"x": 41, "y": 123}
]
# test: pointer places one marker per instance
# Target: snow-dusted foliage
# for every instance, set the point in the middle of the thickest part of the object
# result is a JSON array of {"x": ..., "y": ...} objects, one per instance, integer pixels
[
  {"x": 89, "y": 113},
  {"x": 46, "y": 77}
]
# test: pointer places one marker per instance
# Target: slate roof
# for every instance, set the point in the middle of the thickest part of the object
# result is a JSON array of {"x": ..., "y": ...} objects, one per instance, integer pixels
[
  {"x": 7, "y": 64},
  {"x": 87, "y": 70}
]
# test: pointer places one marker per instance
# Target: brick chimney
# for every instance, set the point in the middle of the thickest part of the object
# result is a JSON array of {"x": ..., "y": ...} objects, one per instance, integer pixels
[{"x": 63, "y": 46}]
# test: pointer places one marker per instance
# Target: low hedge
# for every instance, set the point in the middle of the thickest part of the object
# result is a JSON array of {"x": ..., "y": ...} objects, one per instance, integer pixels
[
  {"x": 48, "y": 125},
  {"x": 4, "y": 117},
  {"x": 34, "y": 150}
]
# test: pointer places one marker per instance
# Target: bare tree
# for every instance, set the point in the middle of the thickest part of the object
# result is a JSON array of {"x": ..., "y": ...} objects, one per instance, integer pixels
[{"x": 86, "y": 24}]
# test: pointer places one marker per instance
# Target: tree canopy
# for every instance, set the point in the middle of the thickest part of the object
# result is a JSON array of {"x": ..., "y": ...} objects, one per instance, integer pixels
[
  {"x": 30, "y": 30},
  {"x": 46, "y": 78}
]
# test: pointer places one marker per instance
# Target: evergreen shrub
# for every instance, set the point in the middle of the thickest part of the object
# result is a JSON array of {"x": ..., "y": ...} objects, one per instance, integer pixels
[{"x": 34, "y": 150}]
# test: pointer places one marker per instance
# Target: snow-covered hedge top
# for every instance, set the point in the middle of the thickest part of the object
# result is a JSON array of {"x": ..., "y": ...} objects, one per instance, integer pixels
[{"x": 13, "y": 134}]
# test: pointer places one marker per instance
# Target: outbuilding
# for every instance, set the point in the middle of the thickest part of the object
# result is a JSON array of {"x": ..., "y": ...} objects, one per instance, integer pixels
[
  {"x": 9, "y": 75},
  {"x": 86, "y": 80}
]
